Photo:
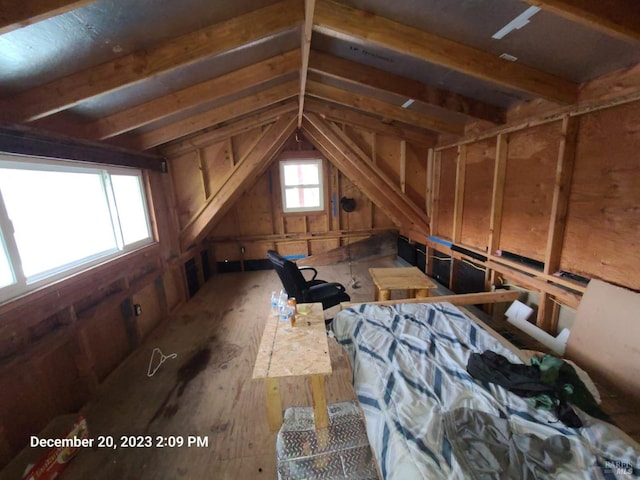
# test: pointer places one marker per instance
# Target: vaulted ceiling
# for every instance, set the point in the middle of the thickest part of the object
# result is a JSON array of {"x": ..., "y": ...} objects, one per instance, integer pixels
[{"x": 151, "y": 73}]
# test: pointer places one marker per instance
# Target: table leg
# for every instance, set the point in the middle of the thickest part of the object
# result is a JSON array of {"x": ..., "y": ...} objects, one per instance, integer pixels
[
  {"x": 422, "y": 293},
  {"x": 320, "y": 413},
  {"x": 384, "y": 294},
  {"x": 274, "y": 404}
]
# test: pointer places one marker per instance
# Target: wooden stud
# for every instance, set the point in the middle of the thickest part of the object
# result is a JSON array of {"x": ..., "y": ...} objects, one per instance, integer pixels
[
  {"x": 403, "y": 166},
  {"x": 435, "y": 195},
  {"x": 497, "y": 197},
  {"x": 167, "y": 56},
  {"x": 429, "y": 183},
  {"x": 204, "y": 92},
  {"x": 461, "y": 166},
  {"x": 333, "y": 18},
  {"x": 372, "y": 105},
  {"x": 561, "y": 193},
  {"x": 362, "y": 75},
  {"x": 545, "y": 319}
]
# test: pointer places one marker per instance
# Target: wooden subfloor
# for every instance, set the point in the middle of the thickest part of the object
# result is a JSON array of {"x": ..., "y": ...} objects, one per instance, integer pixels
[{"x": 207, "y": 391}]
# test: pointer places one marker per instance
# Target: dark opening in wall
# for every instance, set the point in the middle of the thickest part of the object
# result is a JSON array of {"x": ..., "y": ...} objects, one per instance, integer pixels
[
  {"x": 421, "y": 256},
  {"x": 261, "y": 264},
  {"x": 530, "y": 262},
  {"x": 206, "y": 268},
  {"x": 468, "y": 277},
  {"x": 228, "y": 267},
  {"x": 441, "y": 267},
  {"x": 406, "y": 250},
  {"x": 191, "y": 272}
]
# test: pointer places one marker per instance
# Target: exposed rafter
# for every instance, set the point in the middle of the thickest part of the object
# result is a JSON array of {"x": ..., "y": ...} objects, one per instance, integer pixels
[
  {"x": 335, "y": 18},
  {"x": 383, "y": 109},
  {"x": 244, "y": 173},
  {"x": 211, "y": 90},
  {"x": 309, "y": 6},
  {"x": 164, "y": 57},
  {"x": 218, "y": 115},
  {"x": 337, "y": 113},
  {"x": 359, "y": 74},
  {"x": 618, "y": 18},
  {"x": 345, "y": 154},
  {"x": 211, "y": 136},
  {"x": 16, "y": 14}
]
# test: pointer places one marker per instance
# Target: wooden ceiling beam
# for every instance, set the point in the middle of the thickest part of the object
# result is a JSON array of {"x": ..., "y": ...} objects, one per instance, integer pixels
[
  {"x": 169, "y": 55},
  {"x": 359, "y": 74},
  {"x": 383, "y": 109},
  {"x": 617, "y": 18},
  {"x": 217, "y": 115},
  {"x": 337, "y": 19},
  {"x": 244, "y": 174},
  {"x": 209, "y": 137},
  {"x": 337, "y": 113},
  {"x": 15, "y": 14},
  {"x": 341, "y": 150},
  {"x": 209, "y": 91},
  {"x": 309, "y": 6}
]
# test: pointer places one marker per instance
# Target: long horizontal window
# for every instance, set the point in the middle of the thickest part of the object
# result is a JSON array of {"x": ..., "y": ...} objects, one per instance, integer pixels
[{"x": 58, "y": 217}]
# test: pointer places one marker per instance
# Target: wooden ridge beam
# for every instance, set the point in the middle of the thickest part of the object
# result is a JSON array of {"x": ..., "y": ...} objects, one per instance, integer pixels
[
  {"x": 309, "y": 6},
  {"x": 383, "y": 109},
  {"x": 338, "y": 113},
  {"x": 618, "y": 18},
  {"x": 166, "y": 56},
  {"x": 200, "y": 140},
  {"x": 333, "y": 143},
  {"x": 217, "y": 115},
  {"x": 244, "y": 173},
  {"x": 333, "y": 18},
  {"x": 359, "y": 74},
  {"x": 17, "y": 14},
  {"x": 208, "y": 91}
]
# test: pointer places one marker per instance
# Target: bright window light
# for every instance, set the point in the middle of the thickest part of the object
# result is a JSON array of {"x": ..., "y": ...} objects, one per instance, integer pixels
[
  {"x": 302, "y": 189},
  {"x": 57, "y": 217}
]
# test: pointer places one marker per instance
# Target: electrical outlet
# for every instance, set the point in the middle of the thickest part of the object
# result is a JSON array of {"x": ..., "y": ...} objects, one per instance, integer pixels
[{"x": 137, "y": 309}]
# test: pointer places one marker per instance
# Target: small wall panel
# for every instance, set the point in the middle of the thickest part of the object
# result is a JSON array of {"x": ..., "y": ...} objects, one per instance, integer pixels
[
  {"x": 478, "y": 188},
  {"x": 292, "y": 248},
  {"x": 528, "y": 192},
  {"x": 217, "y": 162},
  {"x": 602, "y": 236},
  {"x": 152, "y": 313},
  {"x": 295, "y": 223},
  {"x": 243, "y": 143},
  {"x": 227, "y": 251},
  {"x": 188, "y": 186},
  {"x": 363, "y": 138},
  {"x": 381, "y": 220},
  {"x": 107, "y": 323},
  {"x": 416, "y": 174},
  {"x": 360, "y": 218},
  {"x": 323, "y": 245},
  {"x": 254, "y": 210},
  {"x": 318, "y": 223},
  {"x": 173, "y": 287},
  {"x": 388, "y": 157},
  {"x": 447, "y": 194}
]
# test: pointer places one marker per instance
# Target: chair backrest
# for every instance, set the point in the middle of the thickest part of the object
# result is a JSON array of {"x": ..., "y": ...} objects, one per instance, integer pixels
[{"x": 292, "y": 279}]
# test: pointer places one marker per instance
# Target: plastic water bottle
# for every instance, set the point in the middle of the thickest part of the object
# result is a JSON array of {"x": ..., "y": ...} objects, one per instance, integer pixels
[{"x": 274, "y": 303}]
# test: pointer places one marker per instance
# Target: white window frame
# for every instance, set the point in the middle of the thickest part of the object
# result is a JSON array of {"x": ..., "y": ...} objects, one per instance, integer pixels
[
  {"x": 23, "y": 285},
  {"x": 301, "y": 161}
]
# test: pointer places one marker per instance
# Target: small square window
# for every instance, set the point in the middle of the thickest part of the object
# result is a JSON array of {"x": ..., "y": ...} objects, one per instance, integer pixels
[{"x": 302, "y": 186}]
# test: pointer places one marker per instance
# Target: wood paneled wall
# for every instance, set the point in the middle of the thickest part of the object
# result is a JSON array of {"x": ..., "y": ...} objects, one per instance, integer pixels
[
  {"x": 564, "y": 193},
  {"x": 59, "y": 343}
]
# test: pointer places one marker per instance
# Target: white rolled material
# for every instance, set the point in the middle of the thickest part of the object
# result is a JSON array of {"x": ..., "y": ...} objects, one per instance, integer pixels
[{"x": 517, "y": 315}]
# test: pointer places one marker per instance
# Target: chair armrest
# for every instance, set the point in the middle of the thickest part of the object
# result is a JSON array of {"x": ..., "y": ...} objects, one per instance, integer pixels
[{"x": 315, "y": 272}]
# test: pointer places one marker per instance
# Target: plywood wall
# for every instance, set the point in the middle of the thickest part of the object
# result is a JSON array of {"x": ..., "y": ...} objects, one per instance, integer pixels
[
  {"x": 600, "y": 234},
  {"x": 255, "y": 223}
]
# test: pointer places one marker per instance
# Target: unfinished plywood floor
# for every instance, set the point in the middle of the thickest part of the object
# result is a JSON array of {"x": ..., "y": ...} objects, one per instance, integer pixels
[{"x": 207, "y": 390}]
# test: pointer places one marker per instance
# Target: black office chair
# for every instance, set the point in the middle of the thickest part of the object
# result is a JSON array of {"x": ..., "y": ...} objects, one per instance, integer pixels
[{"x": 306, "y": 291}]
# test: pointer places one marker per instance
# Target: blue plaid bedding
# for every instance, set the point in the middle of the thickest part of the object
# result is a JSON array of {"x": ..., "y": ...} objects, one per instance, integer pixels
[{"x": 409, "y": 367}]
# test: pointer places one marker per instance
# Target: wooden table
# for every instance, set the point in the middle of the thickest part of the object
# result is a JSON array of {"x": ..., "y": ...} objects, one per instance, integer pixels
[
  {"x": 287, "y": 351},
  {"x": 411, "y": 279}
]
